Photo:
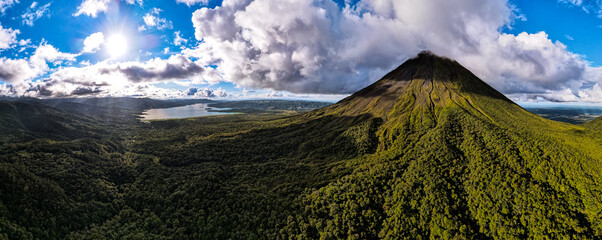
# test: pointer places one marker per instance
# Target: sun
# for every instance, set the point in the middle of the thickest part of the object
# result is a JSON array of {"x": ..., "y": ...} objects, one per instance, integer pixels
[{"x": 116, "y": 45}]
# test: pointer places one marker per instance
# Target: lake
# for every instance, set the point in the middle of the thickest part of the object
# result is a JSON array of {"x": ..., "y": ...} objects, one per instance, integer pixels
[{"x": 195, "y": 110}]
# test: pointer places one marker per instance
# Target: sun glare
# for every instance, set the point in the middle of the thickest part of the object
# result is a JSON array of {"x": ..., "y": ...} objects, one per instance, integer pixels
[{"x": 116, "y": 45}]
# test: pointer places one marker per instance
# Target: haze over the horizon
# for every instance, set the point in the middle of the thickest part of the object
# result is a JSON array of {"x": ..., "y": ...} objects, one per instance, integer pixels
[{"x": 323, "y": 49}]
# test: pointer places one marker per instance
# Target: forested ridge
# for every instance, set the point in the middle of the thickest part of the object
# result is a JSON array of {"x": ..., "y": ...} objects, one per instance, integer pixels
[{"x": 428, "y": 152}]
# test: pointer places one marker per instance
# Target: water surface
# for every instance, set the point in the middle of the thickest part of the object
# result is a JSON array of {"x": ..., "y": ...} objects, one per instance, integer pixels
[{"x": 194, "y": 110}]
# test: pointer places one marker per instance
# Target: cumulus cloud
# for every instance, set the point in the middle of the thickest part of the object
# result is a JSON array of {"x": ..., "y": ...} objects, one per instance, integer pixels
[
  {"x": 318, "y": 47},
  {"x": 35, "y": 12},
  {"x": 153, "y": 20},
  {"x": 7, "y": 90},
  {"x": 47, "y": 53},
  {"x": 17, "y": 71},
  {"x": 139, "y": 2},
  {"x": 24, "y": 42},
  {"x": 8, "y": 37},
  {"x": 192, "y": 2},
  {"x": 92, "y": 43},
  {"x": 206, "y": 92},
  {"x": 92, "y": 7},
  {"x": 526, "y": 63},
  {"x": 5, "y": 4},
  {"x": 112, "y": 78},
  {"x": 591, "y": 95},
  {"x": 175, "y": 68},
  {"x": 178, "y": 40},
  {"x": 48, "y": 88}
]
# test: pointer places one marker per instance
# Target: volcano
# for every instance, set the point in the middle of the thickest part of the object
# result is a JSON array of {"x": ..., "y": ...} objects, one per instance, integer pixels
[
  {"x": 453, "y": 158},
  {"x": 423, "y": 86}
]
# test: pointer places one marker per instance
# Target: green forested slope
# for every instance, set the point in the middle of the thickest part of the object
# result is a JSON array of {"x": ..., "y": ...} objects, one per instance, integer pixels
[
  {"x": 456, "y": 159},
  {"x": 21, "y": 120},
  {"x": 595, "y": 124},
  {"x": 428, "y": 152}
]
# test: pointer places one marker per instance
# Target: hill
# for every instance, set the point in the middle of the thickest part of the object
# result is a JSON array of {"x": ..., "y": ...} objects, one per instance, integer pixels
[
  {"x": 595, "y": 124},
  {"x": 429, "y": 151},
  {"x": 22, "y": 120}
]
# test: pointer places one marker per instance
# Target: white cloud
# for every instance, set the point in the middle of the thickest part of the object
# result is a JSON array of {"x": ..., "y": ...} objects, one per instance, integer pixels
[
  {"x": 525, "y": 63},
  {"x": 93, "y": 42},
  {"x": 24, "y": 42},
  {"x": 7, "y": 90},
  {"x": 92, "y": 7},
  {"x": 49, "y": 88},
  {"x": 139, "y": 2},
  {"x": 262, "y": 94},
  {"x": 575, "y": 2},
  {"x": 176, "y": 67},
  {"x": 166, "y": 50},
  {"x": 206, "y": 92},
  {"x": 178, "y": 40},
  {"x": 47, "y": 53},
  {"x": 192, "y": 2},
  {"x": 153, "y": 20},
  {"x": 121, "y": 79},
  {"x": 588, "y": 6},
  {"x": 8, "y": 37},
  {"x": 565, "y": 95},
  {"x": 316, "y": 47},
  {"x": 35, "y": 12},
  {"x": 591, "y": 95},
  {"x": 309, "y": 46},
  {"x": 17, "y": 71},
  {"x": 5, "y": 4}
]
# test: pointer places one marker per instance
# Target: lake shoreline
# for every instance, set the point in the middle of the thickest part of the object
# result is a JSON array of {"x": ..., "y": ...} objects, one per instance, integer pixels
[{"x": 187, "y": 111}]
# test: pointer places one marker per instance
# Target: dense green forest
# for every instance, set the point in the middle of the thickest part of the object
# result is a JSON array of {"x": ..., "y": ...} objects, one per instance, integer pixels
[{"x": 428, "y": 152}]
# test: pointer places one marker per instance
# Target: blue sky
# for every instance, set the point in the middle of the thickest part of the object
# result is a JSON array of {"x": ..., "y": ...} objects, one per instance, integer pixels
[
  {"x": 565, "y": 22},
  {"x": 531, "y": 50}
]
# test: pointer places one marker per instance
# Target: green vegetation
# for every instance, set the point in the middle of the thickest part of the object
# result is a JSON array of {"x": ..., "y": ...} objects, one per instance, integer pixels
[
  {"x": 595, "y": 124},
  {"x": 428, "y": 152},
  {"x": 258, "y": 106}
]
